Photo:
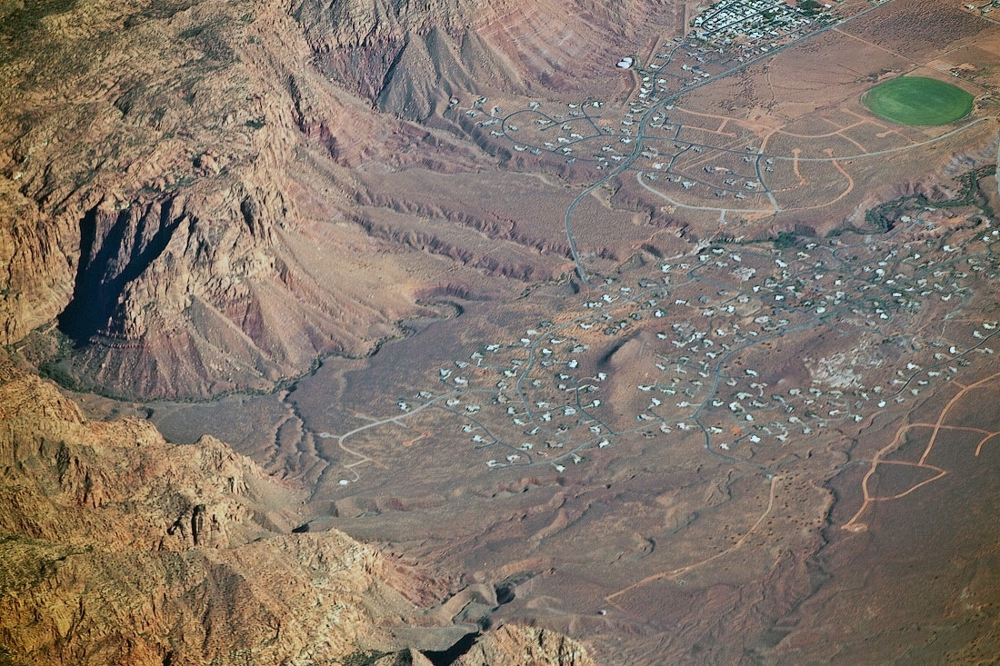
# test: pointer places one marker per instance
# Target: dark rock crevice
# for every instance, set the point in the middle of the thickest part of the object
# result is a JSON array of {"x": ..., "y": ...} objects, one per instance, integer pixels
[{"x": 114, "y": 251}]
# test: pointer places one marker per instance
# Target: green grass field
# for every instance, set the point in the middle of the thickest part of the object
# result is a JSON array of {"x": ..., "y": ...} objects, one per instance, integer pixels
[{"x": 917, "y": 100}]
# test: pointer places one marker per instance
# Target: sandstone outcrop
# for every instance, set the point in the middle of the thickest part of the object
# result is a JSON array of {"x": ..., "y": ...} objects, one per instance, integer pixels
[
  {"x": 169, "y": 187},
  {"x": 512, "y": 645},
  {"x": 121, "y": 548}
]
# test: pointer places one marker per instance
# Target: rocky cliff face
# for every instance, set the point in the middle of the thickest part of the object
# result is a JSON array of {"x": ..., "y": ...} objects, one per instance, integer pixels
[
  {"x": 169, "y": 182},
  {"x": 512, "y": 645},
  {"x": 121, "y": 548},
  {"x": 409, "y": 57},
  {"x": 179, "y": 179}
]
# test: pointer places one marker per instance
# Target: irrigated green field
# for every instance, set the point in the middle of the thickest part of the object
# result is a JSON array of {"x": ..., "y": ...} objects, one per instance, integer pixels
[{"x": 918, "y": 100}]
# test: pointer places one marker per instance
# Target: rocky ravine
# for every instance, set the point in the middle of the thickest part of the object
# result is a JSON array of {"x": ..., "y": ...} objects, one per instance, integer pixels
[{"x": 120, "y": 548}]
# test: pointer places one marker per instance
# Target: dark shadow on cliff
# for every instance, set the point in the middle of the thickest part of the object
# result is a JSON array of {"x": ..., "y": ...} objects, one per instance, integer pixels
[{"x": 110, "y": 258}]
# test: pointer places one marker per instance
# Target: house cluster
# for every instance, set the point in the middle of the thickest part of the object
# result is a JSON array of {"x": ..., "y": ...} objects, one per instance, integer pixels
[
  {"x": 983, "y": 8},
  {"x": 714, "y": 320},
  {"x": 735, "y": 21}
]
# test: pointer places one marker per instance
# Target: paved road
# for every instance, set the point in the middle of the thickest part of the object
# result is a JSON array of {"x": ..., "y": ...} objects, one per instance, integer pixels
[{"x": 644, "y": 121}]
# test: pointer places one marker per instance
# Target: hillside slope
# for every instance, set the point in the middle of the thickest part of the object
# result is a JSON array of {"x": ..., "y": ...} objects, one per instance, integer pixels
[{"x": 196, "y": 193}]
